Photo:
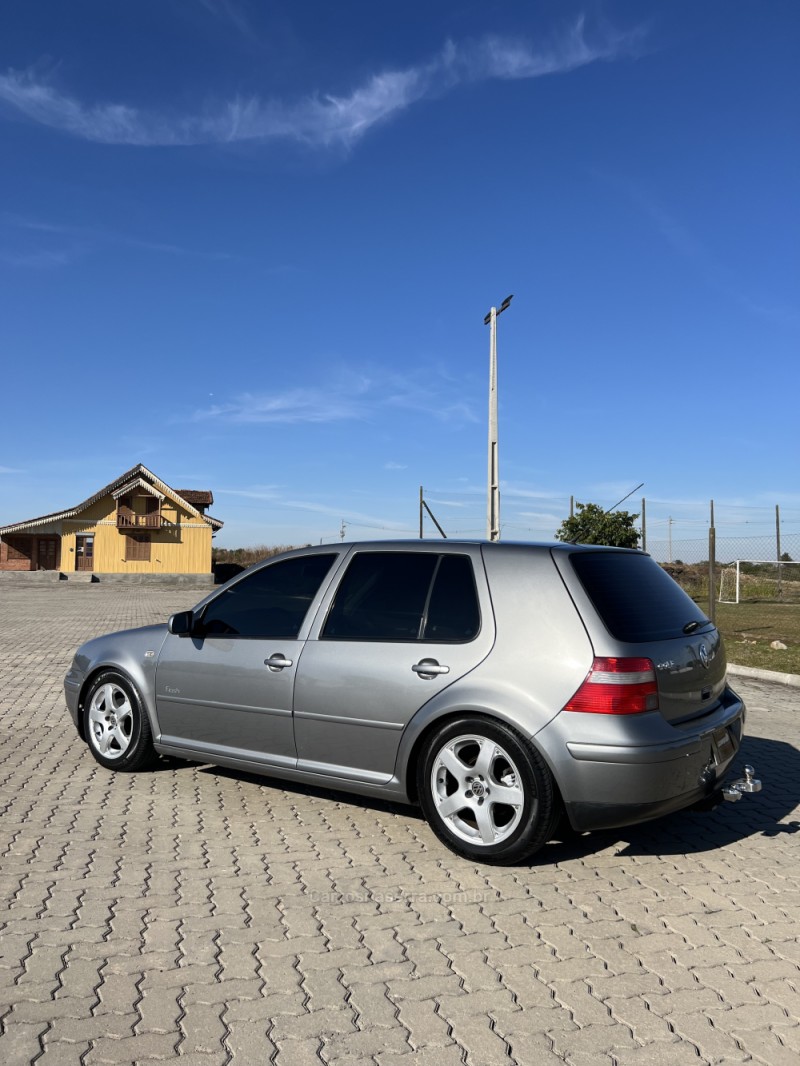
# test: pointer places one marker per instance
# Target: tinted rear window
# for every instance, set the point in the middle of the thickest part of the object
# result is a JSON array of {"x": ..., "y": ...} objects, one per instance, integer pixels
[{"x": 634, "y": 597}]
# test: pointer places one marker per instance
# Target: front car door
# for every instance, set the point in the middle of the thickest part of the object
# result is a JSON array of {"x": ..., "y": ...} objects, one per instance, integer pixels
[
  {"x": 401, "y": 626},
  {"x": 227, "y": 688}
]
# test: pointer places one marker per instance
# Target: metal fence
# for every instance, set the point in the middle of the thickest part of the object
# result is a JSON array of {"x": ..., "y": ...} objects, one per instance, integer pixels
[
  {"x": 672, "y": 531},
  {"x": 693, "y": 541}
]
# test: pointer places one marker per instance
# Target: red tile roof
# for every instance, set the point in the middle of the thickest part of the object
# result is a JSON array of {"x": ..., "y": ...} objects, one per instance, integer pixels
[{"x": 197, "y": 497}]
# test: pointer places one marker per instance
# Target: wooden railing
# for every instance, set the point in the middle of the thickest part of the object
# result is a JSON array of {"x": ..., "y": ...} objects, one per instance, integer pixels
[{"x": 127, "y": 519}]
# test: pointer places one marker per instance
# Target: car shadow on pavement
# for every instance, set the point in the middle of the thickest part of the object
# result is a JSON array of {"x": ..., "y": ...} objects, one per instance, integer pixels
[
  {"x": 301, "y": 788},
  {"x": 777, "y": 766}
]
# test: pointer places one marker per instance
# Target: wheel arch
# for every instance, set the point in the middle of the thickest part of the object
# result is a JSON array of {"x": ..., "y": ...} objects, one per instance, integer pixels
[
  {"x": 415, "y": 746},
  {"x": 86, "y": 688}
]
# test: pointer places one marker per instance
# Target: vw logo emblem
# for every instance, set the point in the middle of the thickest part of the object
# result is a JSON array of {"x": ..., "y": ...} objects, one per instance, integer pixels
[{"x": 703, "y": 652}]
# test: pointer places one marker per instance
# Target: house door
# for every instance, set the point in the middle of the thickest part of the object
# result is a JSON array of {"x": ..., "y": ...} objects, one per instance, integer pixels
[
  {"x": 48, "y": 553},
  {"x": 84, "y": 551}
]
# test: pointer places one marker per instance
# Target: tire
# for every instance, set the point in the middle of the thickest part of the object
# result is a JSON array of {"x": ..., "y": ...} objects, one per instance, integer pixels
[
  {"x": 116, "y": 725},
  {"x": 486, "y": 792}
]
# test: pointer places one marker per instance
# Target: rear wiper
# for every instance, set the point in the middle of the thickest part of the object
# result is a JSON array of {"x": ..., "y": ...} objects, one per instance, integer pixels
[{"x": 691, "y": 626}]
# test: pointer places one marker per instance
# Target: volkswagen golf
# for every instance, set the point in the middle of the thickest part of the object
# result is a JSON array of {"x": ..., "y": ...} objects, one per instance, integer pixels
[{"x": 500, "y": 686}]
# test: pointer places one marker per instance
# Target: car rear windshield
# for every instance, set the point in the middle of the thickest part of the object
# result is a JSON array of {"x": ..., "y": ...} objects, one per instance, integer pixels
[{"x": 635, "y": 598}]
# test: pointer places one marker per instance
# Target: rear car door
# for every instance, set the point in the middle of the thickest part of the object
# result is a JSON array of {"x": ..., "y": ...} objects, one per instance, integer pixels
[
  {"x": 401, "y": 626},
  {"x": 228, "y": 687}
]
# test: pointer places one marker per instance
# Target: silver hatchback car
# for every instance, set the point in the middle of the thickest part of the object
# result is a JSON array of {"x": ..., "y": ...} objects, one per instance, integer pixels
[{"x": 501, "y": 686}]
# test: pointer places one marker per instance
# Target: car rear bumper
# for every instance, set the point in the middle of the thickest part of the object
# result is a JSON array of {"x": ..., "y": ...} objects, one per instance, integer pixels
[{"x": 648, "y": 769}]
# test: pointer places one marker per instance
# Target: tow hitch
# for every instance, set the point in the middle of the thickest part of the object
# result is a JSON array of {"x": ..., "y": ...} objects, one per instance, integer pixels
[{"x": 736, "y": 789}]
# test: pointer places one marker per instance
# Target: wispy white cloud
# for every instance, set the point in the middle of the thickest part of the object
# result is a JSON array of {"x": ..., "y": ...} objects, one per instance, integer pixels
[
  {"x": 261, "y": 492},
  {"x": 336, "y": 511},
  {"x": 90, "y": 235},
  {"x": 231, "y": 12},
  {"x": 353, "y": 396},
  {"x": 547, "y": 518},
  {"x": 40, "y": 259},
  {"x": 10, "y": 470},
  {"x": 708, "y": 265},
  {"x": 293, "y": 405},
  {"x": 445, "y": 503},
  {"x": 272, "y": 494},
  {"x": 319, "y": 120}
]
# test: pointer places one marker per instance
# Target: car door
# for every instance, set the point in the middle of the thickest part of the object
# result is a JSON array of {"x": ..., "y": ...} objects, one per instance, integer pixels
[
  {"x": 400, "y": 627},
  {"x": 227, "y": 688}
]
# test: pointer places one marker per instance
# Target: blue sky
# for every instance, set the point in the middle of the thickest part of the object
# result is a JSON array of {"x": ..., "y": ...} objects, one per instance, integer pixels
[{"x": 251, "y": 245}]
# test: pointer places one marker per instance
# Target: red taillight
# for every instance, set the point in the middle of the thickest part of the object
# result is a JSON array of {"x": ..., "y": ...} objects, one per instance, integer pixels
[{"x": 617, "y": 686}]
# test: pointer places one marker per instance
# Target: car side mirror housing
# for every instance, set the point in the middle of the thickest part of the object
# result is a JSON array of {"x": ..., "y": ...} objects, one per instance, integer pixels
[{"x": 181, "y": 623}]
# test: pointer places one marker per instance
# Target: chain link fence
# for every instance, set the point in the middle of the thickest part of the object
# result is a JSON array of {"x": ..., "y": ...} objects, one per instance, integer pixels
[{"x": 678, "y": 534}]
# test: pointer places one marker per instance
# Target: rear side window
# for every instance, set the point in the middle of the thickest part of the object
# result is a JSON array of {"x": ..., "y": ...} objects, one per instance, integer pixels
[
  {"x": 268, "y": 604},
  {"x": 405, "y": 596},
  {"x": 453, "y": 612},
  {"x": 635, "y": 598}
]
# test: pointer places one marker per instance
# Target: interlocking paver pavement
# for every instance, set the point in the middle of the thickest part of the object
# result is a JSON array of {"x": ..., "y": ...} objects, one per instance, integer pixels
[{"x": 211, "y": 916}]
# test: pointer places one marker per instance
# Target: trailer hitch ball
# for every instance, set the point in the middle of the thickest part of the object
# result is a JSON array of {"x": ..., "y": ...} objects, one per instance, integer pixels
[{"x": 736, "y": 789}]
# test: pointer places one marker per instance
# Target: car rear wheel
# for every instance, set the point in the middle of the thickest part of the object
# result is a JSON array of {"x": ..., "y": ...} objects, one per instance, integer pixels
[
  {"x": 116, "y": 723},
  {"x": 485, "y": 791}
]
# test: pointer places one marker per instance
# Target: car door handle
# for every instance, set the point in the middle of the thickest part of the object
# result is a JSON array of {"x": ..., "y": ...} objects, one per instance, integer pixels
[
  {"x": 277, "y": 662},
  {"x": 428, "y": 668}
]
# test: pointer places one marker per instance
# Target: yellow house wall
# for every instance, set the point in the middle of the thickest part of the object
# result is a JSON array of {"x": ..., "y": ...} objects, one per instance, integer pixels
[{"x": 185, "y": 549}]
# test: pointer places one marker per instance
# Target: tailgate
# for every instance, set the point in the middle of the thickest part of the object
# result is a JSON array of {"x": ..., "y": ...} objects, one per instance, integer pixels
[{"x": 690, "y": 672}]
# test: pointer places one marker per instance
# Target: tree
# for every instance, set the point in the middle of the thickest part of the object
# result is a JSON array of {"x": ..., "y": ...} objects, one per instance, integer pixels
[{"x": 591, "y": 525}]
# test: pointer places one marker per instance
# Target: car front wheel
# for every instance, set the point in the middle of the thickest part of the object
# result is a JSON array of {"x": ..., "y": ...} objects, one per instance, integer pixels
[
  {"x": 116, "y": 724},
  {"x": 485, "y": 791}
]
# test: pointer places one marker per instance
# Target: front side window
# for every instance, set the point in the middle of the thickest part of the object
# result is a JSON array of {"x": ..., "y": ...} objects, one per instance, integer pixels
[
  {"x": 268, "y": 604},
  {"x": 405, "y": 596}
]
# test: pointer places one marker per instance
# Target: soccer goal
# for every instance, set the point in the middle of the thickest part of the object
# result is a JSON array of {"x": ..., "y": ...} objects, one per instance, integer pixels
[{"x": 749, "y": 581}]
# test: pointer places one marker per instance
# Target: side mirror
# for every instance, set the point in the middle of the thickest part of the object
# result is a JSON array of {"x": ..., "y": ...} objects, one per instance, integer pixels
[{"x": 181, "y": 623}]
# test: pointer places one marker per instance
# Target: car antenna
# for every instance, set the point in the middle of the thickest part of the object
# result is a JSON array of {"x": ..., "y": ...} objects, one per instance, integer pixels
[
  {"x": 616, "y": 505},
  {"x": 624, "y": 498}
]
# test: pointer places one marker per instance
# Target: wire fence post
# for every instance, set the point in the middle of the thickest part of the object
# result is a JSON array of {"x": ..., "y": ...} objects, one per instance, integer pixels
[
  {"x": 778, "y": 548},
  {"x": 421, "y": 501},
  {"x": 712, "y": 555},
  {"x": 644, "y": 526}
]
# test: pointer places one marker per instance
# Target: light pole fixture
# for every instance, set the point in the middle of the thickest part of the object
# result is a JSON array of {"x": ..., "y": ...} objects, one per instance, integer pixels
[{"x": 493, "y": 481}]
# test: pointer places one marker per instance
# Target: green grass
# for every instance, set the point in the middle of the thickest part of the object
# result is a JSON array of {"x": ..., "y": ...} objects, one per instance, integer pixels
[{"x": 749, "y": 628}]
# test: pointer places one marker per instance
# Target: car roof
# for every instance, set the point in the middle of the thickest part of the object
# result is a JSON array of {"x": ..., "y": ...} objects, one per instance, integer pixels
[{"x": 445, "y": 544}]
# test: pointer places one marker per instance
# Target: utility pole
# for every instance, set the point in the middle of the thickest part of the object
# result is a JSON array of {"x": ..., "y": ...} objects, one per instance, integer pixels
[
  {"x": 712, "y": 566},
  {"x": 493, "y": 479}
]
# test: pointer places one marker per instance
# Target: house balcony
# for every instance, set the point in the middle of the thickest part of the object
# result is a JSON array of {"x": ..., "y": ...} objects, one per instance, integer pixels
[{"x": 128, "y": 519}]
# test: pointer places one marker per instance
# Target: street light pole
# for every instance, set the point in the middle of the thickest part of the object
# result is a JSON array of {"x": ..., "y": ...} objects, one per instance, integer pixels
[{"x": 493, "y": 480}]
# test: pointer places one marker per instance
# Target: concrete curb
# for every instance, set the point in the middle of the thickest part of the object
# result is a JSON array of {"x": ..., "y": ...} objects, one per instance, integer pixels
[{"x": 764, "y": 675}]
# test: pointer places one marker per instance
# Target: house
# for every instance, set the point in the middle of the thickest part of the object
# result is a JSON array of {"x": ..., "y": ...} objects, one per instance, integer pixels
[{"x": 135, "y": 525}]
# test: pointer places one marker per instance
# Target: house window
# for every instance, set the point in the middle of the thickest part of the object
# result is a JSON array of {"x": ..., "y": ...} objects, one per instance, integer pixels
[
  {"x": 137, "y": 548},
  {"x": 19, "y": 548}
]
